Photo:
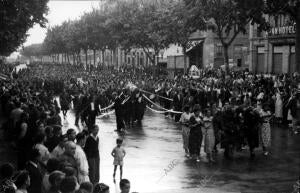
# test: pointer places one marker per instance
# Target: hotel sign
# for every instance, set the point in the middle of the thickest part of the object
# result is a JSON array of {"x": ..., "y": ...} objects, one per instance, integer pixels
[{"x": 283, "y": 30}]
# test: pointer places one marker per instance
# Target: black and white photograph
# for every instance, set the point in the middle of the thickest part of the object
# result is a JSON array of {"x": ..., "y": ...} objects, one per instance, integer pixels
[{"x": 149, "y": 96}]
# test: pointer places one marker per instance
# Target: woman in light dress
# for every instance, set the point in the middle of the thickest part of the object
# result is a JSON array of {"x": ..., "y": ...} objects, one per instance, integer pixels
[
  {"x": 184, "y": 120},
  {"x": 209, "y": 137},
  {"x": 265, "y": 129},
  {"x": 278, "y": 107}
]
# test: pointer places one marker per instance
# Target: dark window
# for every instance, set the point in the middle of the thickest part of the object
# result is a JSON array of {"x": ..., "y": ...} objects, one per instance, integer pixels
[
  {"x": 219, "y": 50},
  {"x": 239, "y": 62},
  {"x": 259, "y": 33},
  {"x": 276, "y": 21}
]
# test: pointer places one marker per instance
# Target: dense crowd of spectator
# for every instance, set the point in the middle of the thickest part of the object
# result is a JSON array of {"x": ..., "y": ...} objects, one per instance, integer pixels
[{"x": 234, "y": 110}]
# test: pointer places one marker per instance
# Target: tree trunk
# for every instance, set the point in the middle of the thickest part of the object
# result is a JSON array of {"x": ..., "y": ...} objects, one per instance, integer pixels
[
  {"x": 112, "y": 57},
  {"x": 226, "y": 58},
  {"x": 184, "y": 59},
  {"x": 175, "y": 70},
  {"x": 156, "y": 61},
  {"x": 79, "y": 58},
  {"x": 68, "y": 58},
  {"x": 73, "y": 56},
  {"x": 86, "y": 58},
  {"x": 116, "y": 58},
  {"x": 152, "y": 59},
  {"x": 297, "y": 47},
  {"x": 102, "y": 58},
  {"x": 132, "y": 60},
  {"x": 94, "y": 57},
  {"x": 125, "y": 57}
]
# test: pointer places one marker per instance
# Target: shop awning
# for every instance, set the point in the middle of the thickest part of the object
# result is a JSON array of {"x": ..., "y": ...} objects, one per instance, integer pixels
[{"x": 192, "y": 44}]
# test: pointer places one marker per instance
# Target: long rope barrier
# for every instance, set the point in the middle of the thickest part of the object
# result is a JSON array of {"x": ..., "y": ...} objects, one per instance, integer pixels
[
  {"x": 156, "y": 95},
  {"x": 165, "y": 110},
  {"x": 106, "y": 114},
  {"x": 111, "y": 105},
  {"x": 156, "y": 111},
  {"x": 154, "y": 103},
  {"x": 108, "y": 107}
]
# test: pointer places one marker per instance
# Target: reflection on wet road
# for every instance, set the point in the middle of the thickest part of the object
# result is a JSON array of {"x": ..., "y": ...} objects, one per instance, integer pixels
[{"x": 155, "y": 161}]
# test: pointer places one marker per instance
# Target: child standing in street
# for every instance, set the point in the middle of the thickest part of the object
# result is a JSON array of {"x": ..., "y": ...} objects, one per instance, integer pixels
[{"x": 118, "y": 153}]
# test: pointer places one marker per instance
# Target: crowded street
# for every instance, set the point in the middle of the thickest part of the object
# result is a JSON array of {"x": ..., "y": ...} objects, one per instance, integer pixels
[
  {"x": 156, "y": 96},
  {"x": 156, "y": 143}
]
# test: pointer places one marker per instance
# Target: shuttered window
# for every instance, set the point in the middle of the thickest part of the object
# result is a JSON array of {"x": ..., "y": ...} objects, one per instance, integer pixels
[
  {"x": 260, "y": 63},
  {"x": 277, "y": 63}
]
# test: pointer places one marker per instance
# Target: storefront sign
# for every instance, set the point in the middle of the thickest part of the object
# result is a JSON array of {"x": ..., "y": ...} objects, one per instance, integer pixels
[
  {"x": 192, "y": 44},
  {"x": 284, "y": 30}
]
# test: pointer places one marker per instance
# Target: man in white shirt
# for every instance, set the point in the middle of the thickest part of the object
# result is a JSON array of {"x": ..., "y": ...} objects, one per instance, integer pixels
[
  {"x": 80, "y": 157},
  {"x": 59, "y": 150}
]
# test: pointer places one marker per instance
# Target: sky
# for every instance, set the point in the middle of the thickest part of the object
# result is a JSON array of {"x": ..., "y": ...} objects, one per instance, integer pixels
[{"x": 60, "y": 11}]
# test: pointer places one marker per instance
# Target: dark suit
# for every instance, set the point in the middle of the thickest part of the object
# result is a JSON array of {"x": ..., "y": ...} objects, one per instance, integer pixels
[
  {"x": 177, "y": 103},
  {"x": 119, "y": 112},
  {"x": 35, "y": 178},
  {"x": 292, "y": 105},
  {"x": 92, "y": 113},
  {"x": 251, "y": 125}
]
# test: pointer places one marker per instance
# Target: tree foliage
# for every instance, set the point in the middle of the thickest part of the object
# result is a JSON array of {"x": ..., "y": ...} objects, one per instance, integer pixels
[
  {"x": 127, "y": 24},
  {"x": 37, "y": 50},
  {"x": 17, "y": 17}
]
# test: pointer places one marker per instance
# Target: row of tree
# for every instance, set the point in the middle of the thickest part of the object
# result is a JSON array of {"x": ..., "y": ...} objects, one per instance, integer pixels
[
  {"x": 154, "y": 25},
  {"x": 149, "y": 25}
]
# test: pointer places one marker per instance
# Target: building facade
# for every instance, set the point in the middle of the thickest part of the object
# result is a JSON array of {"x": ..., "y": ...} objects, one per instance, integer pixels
[
  {"x": 207, "y": 50},
  {"x": 273, "y": 51}
]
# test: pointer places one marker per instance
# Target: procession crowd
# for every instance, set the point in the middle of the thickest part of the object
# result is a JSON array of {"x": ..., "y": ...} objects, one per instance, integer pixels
[{"x": 232, "y": 110}]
